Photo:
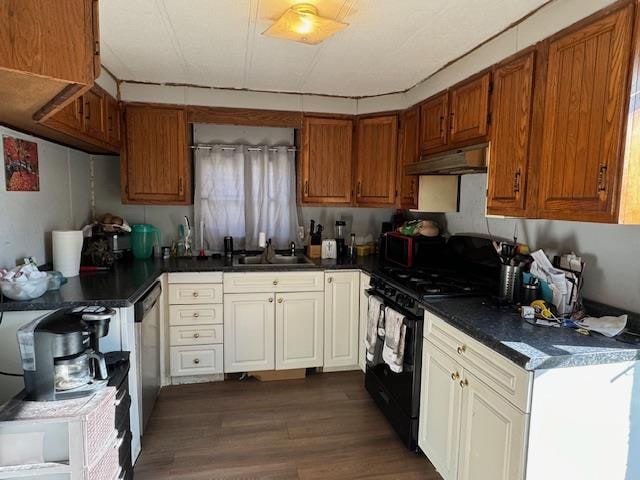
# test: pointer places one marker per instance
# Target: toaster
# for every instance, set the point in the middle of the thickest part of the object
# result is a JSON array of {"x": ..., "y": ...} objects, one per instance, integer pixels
[{"x": 329, "y": 249}]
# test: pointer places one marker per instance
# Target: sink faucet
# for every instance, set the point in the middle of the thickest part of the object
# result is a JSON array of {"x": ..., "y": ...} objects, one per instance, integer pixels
[{"x": 292, "y": 247}]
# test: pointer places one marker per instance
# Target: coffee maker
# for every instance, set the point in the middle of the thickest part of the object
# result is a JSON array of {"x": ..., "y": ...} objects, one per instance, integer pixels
[{"x": 61, "y": 355}]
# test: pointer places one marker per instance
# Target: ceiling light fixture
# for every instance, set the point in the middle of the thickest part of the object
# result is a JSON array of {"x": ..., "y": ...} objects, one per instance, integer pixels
[{"x": 301, "y": 23}]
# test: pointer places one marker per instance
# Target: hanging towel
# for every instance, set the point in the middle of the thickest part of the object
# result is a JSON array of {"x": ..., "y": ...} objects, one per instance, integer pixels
[
  {"x": 375, "y": 317},
  {"x": 393, "y": 350}
]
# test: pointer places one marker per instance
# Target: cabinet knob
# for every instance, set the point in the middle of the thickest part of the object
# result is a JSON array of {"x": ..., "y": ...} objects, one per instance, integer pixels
[
  {"x": 196, "y": 335},
  {"x": 306, "y": 187},
  {"x": 280, "y": 300},
  {"x": 330, "y": 279},
  {"x": 196, "y": 314},
  {"x": 195, "y": 294},
  {"x": 271, "y": 300},
  {"x": 196, "y": 361},
  {"x": 516, "y": 181},
  {"x": 275, "y": 282},
  {"x": 464, "y": 383},
  {"x": 462, "y": 349},
  {"x": 455, "y": 376}
]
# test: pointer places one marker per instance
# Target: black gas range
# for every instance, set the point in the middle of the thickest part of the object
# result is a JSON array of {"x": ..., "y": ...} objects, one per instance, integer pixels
[{"x": 470, "y": 267}]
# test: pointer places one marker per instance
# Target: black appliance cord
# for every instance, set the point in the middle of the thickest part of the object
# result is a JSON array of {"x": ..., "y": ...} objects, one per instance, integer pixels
[{"x": 1, "y": 317}]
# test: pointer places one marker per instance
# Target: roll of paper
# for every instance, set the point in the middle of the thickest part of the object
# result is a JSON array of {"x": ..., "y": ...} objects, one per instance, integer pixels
[
  {"x": 262, "y": 240},
  {"x": 67, "y": 247}
]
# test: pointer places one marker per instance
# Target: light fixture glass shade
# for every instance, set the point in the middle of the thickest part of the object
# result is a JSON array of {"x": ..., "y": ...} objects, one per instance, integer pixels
[{"x": 301, "y": 23}]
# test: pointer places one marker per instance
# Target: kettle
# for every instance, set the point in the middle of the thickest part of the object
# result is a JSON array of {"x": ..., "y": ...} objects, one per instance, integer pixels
[{"x": 329, "y": 249}]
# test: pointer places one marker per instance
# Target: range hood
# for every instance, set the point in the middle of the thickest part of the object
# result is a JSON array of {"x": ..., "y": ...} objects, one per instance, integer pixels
[{"x": 457, "y": 162}]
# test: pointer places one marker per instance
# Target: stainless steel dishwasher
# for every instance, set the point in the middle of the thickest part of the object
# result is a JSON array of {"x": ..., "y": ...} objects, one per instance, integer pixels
[{"x": 147, "y": 328}]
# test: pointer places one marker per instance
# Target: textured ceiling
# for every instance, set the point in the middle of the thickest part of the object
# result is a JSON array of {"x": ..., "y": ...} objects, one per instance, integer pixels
[{"x": 389, "y": 46}]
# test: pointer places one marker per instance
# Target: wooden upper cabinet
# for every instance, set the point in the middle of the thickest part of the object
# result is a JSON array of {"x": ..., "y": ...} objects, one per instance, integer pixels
[
  {"x": 326, "y": 160},
  {"x": 469, "y": 109},
  {"x": 509, "y": 157},
  {"x": 433, "y": 122},
  {"x": 50, "y": 38},
  {"x": 409, "y": 152},
  {"x": 94, "y": 114},
  {"x": 376, "y": 157},
  {"x": 155, "y": 167},
  {"x": 585, "y": 105}
]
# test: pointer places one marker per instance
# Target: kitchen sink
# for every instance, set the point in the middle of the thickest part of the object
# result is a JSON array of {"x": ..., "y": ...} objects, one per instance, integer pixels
[{"x": 288, "y": 260}]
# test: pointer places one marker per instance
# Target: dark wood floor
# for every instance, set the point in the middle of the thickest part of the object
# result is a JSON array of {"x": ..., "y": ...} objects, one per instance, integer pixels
[{"x": 323, "y": 427}]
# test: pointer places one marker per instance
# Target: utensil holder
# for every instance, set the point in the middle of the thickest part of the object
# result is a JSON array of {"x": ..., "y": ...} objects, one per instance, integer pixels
[{"x": 510, "y": 282}]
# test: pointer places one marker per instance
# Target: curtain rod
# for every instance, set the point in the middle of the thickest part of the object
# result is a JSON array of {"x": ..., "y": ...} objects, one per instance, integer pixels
[{"x": 206, "y": 146}]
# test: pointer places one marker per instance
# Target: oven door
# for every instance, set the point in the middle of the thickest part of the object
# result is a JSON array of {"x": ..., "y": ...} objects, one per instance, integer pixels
[{"x": 403, "y": 389}]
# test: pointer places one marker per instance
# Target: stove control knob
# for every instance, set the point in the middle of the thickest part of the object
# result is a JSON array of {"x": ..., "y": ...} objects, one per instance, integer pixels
[
  {"x": 400, "y": 299},
  {"x": 410, "y": 303}
]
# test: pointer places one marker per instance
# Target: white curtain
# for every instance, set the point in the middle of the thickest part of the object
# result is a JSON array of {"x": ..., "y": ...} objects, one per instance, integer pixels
[{"x": 245, "y": 191}]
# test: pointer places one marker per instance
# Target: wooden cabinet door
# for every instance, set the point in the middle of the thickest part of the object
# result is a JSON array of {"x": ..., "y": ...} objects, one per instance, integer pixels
[
  {"x": 326, "y": 160},
  {"x": 376, "y": 161},
  {"x": 492, "y": 435},
  {"x": 440, "y": 403},
  {"x": 113, "y": 121},
  {"x": 68, "y": 119},
  {"x": 94, "y": 108},
  {"x": 584, "y": 113},
  {"x": 433, "y": 122},
  {"x": 509, "y": 157},
  {"x": 341, "y": 309},
  {"x": 299, "y": 330},
  {"x": 364, "y": 309},
  {"x": 469, "y": 110},
  {"x": 249, "y": 332},
  {"x": 156, "y": 168},
  {"x": 409, "y": 153}
]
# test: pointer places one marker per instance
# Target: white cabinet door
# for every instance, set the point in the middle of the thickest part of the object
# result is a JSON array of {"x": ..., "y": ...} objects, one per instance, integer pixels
[
  {"x": 364, "y": 307},
  {"x": 299, "y": 330},
  {"x": 341, "y": 311},
  {"x": 249, "y": 332},
  {"x": 440, "y": 400},
  {"x": 492, "y": 435}
]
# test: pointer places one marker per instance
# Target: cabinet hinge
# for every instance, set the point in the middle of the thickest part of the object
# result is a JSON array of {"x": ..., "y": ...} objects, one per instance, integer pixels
[
  {"x": 489, "y": 118},
  {"x": 491, "y": 87},
  {"x": 126, "y": 189},
  {"x": 396, "y": 193}
]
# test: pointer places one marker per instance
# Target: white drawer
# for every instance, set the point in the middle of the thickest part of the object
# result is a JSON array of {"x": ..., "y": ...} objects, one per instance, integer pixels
[
  {"x": 194, "y": 293},
  {"x": 196, "y": 360},
  {"x": 195, "y": 314},
  {"x": 499, "y": 373},
  {"x": 195, "y": 277},
  {"x": 195, "y": 335},
  {"x": 262, "y": 282}
]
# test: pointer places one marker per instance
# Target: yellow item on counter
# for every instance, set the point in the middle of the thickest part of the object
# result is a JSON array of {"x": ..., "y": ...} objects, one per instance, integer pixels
[{"x": 542, "y": 309}]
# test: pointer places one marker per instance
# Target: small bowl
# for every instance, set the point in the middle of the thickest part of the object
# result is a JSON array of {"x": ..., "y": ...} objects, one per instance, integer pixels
[{"x": 25, "y": 291}]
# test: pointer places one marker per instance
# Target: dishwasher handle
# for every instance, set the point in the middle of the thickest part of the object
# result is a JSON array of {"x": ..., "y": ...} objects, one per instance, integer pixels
[{"x": 147, "y": 302}]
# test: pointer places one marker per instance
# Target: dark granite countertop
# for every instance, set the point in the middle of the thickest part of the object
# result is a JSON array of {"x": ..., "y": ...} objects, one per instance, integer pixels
[
  {"x": 531, "y": 347},
  {"x": 127, "y": 281}
]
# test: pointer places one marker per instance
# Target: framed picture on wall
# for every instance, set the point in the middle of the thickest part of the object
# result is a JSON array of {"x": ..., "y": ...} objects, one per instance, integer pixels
[{"x": 21, "y": 172}]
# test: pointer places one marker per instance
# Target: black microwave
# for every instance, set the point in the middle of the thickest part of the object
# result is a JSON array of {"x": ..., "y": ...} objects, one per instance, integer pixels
[{"x": 410, "y": 251}]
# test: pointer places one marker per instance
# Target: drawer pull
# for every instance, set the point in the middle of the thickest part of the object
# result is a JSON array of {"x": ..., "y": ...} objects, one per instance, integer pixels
[
  {"x": 196, "y": 335},
  {"x": 196, "y": 361},
  {"x": 464, "y": 383},
  {"x": 455, "y": 376},
  {"x": 461, "y": 349},
  {"x": 271, "y": 300},
  {"x": 195, "y": 294},
  {"x": 275, "y": 282},
  {"x": 196, "y": 314}
]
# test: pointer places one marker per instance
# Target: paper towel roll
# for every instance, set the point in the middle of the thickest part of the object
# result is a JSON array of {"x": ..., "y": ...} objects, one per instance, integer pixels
[{"x": 67, "y": 247}]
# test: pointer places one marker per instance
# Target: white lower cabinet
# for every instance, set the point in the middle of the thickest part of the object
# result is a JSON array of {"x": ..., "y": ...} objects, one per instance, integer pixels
[
  {"x": 364, "y": 308},
  {"x": 249, "y": 333},
  {"x": 440, "y": 399},
  {"x": 467, "y": 429},
  {"x": 341, "y": 319},
  {"x": 299, "y": 330}
]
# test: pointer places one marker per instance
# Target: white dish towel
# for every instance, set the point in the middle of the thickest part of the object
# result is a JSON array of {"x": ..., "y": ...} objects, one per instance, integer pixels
[
  {"x": 375, "y": 318},
  {"x": 393, "y": 350},
  {"x": 607, "y": 326}
]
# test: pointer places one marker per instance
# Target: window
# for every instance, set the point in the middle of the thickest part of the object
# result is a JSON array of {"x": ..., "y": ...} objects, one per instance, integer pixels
[{"x": 242, "y": 191}]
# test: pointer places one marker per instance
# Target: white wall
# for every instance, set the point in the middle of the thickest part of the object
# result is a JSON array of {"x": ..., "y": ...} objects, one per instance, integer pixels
[
  {"x": 27, "y": 218},
  {"x": 612, "y": 275}
]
